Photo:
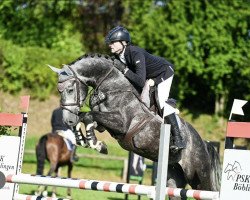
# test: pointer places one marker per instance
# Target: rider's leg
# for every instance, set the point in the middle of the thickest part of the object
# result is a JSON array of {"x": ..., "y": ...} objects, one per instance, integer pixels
[
  {"x": 70, "y": 136},
  {"x": 175, "y": 130},
  {"x": 163, "y": 90},
  {"x": 73, "y": 156},
  {"x": 169, "y": 115}
]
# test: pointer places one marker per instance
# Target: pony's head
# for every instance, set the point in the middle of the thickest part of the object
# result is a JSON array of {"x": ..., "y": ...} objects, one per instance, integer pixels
[{"x": 73, "y": 91}]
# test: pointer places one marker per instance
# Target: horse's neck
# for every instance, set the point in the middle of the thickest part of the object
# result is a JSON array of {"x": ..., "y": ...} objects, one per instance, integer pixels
[
  {"x": 88, "y": 74},
  {"x": 102, "y": 75}
]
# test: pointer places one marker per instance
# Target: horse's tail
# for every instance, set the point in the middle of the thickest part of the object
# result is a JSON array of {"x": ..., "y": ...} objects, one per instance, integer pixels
[
  {"x": 216, "y": 166},
  {"x": 41, "y": 154}
]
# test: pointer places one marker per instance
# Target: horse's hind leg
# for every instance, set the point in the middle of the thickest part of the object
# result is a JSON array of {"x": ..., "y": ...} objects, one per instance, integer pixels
[
  {"x": 70, "y": 167},
  {"x": 54, "y": 188},
  {"x": 52, "y": 169},
  {"x": 176, "y": 179},
  {"x": 40, "y": 190}
]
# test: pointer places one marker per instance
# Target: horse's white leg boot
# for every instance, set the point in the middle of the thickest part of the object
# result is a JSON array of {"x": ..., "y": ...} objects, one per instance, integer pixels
[
  {"x": 80, "y": 139},
  {"x": 92, "y": 140}
]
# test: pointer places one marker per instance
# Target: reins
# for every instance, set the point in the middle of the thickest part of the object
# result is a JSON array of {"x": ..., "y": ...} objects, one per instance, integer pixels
[{"x": 78, "y": 81}]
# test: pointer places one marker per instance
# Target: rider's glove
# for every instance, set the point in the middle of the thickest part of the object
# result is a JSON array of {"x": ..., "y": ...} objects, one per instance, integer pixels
[
  {"x": 97, "y": 98},
  {"x": 125, "y": 70},
  {"x": 120, "y": 66}
]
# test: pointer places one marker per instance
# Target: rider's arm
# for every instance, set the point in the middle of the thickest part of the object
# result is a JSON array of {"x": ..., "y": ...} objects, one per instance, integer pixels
[{"x": 138, "y": 77}]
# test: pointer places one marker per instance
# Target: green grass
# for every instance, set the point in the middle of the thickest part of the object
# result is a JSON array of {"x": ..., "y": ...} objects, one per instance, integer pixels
[{"x": 85, "y": 168}]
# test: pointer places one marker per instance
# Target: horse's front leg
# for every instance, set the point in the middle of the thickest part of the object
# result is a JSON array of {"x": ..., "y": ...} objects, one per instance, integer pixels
[{"x": 91, "y": 139}]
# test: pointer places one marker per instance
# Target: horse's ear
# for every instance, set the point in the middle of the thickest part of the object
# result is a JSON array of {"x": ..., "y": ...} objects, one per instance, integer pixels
[{"x": 57, "y": 70}]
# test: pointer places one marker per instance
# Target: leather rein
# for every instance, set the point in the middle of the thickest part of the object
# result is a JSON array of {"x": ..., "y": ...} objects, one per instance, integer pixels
[{"x": 78, "y": 82}]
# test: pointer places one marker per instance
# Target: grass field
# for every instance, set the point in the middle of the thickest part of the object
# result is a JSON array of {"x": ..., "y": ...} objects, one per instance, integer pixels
[{"x": 86, "y": 168}]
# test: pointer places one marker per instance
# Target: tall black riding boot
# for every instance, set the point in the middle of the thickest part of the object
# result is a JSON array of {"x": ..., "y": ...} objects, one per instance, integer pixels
[
  {"x": 177, "y": 140},
  {"x": 73, "y": 156}
]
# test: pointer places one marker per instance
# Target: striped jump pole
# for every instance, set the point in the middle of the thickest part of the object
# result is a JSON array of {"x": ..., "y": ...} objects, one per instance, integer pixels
[
  {"x": 81, "y": 184},
  {"x": 32, "y": 197},
  {"x": 105, "y": 186}
]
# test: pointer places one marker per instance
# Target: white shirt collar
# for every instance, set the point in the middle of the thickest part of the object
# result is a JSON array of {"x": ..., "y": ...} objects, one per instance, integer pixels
[{"x": 122, "y": 57}]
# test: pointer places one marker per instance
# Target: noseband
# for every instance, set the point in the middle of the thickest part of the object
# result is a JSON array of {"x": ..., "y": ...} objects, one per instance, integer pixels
[{"x": 78, "y": 81}]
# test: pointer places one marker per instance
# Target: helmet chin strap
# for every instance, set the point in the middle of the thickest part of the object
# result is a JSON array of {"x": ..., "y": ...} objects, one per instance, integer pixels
[{"x": 123, "y": 47}]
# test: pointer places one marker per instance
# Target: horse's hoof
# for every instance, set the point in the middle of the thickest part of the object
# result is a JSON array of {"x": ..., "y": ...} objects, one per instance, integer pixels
[
  {"x": 45, "y": 193},
  {"x": 53, "y": 195},
  {"x": 102, "y": 147},
  {"x": 37, "y": 193}
]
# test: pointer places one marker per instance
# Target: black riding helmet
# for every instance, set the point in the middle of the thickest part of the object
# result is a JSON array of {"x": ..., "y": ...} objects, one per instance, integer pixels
[{"x": 118, "y": 34}]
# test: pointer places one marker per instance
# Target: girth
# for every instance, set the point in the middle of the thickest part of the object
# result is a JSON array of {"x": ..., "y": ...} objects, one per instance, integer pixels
[{"x": 128, "y": 137}]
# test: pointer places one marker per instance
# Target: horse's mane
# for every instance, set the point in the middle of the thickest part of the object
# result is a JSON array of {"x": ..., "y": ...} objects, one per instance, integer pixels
[{"x": 93, "y": 55}]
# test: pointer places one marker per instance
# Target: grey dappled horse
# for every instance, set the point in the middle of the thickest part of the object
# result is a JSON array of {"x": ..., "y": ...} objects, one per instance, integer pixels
[{"x": 120, "y": 111}]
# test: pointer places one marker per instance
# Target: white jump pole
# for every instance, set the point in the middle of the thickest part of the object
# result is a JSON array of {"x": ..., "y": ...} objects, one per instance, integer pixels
[
  {"x": 86, "y": 184},
  {"x": 162, "y": 167}
]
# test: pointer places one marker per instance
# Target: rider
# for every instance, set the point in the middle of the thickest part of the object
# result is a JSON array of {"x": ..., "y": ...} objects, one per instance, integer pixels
[
  {"x": 144, "y": 69},
  {"x": 59, "y": 127}
]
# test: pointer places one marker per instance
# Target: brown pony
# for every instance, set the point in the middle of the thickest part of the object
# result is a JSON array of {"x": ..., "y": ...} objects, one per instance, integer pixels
[{"x": 53, "y": 148}]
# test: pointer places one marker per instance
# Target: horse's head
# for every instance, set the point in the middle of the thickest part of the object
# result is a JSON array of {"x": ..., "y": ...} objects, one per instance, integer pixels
[
  {"x": 94, "y": 70},
  {"x": 73, "y": 91}
]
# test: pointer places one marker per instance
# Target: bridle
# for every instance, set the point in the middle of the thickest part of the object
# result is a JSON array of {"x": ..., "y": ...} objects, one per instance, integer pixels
[{"x": 78, "y": 81}]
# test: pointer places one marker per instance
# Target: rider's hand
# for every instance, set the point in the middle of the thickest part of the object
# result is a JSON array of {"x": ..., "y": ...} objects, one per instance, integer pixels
[
  {"x": 120, "y": 66},
  {"x": 125, "y": 70},
  {"x": 151, "y": 82}
]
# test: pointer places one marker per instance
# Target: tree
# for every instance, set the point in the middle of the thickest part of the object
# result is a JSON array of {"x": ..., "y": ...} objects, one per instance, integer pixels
[{"x": 208, "y": 41}]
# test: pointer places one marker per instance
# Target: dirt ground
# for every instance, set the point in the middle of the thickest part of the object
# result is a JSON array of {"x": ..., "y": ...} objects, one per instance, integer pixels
[{"x": 39, "y": 112}]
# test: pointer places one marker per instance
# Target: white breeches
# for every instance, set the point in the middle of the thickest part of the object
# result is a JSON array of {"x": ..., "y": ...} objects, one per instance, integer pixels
[
  {"x": 164, "y": 90},
  {"x": 163, "y": 94},
  {"x": 68, "y": 134}
]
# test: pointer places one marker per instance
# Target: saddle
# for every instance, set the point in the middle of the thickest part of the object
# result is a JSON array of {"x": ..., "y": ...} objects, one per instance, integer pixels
[{"x": 154, "y": 102}]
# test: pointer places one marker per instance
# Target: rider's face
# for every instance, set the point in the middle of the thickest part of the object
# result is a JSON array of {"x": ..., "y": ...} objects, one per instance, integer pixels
[{"x": 116, "y": 47}]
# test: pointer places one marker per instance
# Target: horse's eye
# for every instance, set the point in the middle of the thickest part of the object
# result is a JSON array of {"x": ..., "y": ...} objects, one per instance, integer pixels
[{"x": 70, "y": 91}]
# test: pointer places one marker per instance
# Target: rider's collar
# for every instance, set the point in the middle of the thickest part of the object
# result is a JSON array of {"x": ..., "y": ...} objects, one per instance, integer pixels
[{"x": 122, "y": 57}]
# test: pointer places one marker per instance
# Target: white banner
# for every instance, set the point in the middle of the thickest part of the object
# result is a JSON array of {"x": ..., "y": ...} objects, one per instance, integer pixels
[
  {"x": 235, "y": 183},
  {"x": 9, "y": 147}
]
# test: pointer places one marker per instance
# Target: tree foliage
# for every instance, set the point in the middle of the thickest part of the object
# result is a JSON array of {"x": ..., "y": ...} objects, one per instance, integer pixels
[{"x": 206, "y": 40}]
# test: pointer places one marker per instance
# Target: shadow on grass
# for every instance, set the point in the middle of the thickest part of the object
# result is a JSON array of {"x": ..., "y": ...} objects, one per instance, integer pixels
[{"x": 90, "y": 166}]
